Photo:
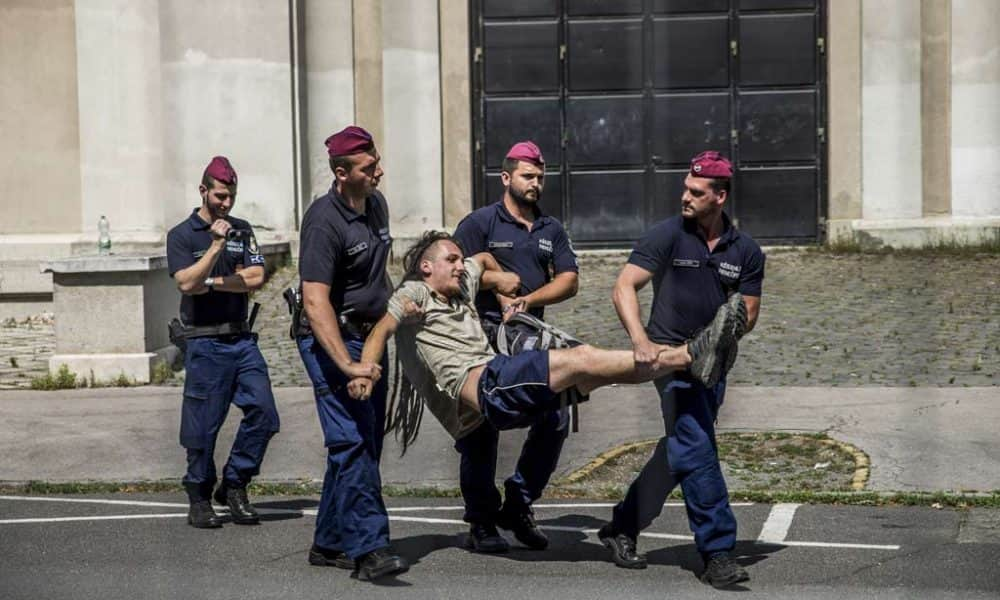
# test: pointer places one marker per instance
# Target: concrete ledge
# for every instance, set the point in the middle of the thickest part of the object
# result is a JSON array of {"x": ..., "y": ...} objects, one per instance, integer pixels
[
  {"x": 915, "y": 233},
  {"x": 108, "y": 367},
  {"x": 112, "y": 312}
]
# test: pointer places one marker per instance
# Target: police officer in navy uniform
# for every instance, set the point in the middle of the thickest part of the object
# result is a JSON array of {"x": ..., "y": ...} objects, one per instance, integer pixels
[
  {"x": 344, "y": 246},
  {"x": 215, "y": 260},
  {"x": 695, "y": 261},
  {"x": 535, "y": 246}
]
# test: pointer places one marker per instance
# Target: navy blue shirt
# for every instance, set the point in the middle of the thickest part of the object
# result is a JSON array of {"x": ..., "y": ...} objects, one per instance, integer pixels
[
  {"x": 689, "y": 281},
  {"x": 186, "y": 244},
  {"x": 348, "y": 251},
  {"x": 534, "y": 255}
]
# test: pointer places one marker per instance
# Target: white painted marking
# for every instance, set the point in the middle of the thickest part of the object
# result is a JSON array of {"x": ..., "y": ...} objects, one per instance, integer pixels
[
  {"x": 839, "y": 545},
  {"x": 662, "y": 536},
  {"x": 91, "y": 518},
  {"x": 96, "y": 501},
  {"x": 776, "y": 526},
  {"x": 773, "y": 532}
]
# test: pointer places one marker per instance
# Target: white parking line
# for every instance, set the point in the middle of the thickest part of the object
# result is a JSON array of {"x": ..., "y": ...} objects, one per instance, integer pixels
[
  {"x": 774, "y": 530},
  {"x": 91, "y": 518},
  {"x": 96, "y": 501},
  {"x": 778, "y": 521},
  {"x": 840, "y": 545}
]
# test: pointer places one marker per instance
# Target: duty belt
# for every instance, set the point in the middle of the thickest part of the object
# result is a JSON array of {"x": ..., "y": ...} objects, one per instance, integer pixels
[
  {"x": 234, "y": 328},
  {"x": 359, "y": 329}
]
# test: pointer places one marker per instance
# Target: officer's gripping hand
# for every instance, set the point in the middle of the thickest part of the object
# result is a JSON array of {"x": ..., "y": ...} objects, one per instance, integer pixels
[
  {"x": 507, "y": 283},
  {"x": 363, "y": 369},
  {"x": 513, "y": 307},
  {"x": 219, "y": 229},
  {"x": 412, "y": 313},
  {"x": 645, "y": 353},
  {"x": 360, "y": 388}
]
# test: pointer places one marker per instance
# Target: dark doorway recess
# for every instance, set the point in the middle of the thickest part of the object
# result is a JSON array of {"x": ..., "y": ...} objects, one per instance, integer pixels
[{"x": 620, "y": 94}]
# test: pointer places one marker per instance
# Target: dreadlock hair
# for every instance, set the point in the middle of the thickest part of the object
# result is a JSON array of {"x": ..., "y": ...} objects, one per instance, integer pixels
[{"x": 406, "y": 405}]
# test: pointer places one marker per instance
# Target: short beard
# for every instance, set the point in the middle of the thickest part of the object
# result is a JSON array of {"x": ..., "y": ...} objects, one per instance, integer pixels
[{"x": 522, "y": 199}]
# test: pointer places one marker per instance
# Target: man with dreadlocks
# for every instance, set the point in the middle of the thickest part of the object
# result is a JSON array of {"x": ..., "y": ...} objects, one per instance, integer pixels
[{"x": 448, "y": 363}]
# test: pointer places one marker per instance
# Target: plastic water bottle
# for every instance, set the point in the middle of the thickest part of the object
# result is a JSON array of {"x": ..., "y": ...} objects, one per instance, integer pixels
[{"x": 104, "y": 236}]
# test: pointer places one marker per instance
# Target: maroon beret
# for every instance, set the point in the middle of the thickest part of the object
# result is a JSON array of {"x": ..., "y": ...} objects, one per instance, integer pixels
[
  {"x": 711, "y": 164},
  {"x": 526, "y": 151},
  {"x": 350, "y": 140},
  {"x": 220, "y": 170}
]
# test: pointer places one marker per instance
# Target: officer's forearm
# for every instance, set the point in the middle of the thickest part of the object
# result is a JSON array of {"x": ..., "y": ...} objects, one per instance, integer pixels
[
  {"x": 323, "y": 321},
  {"x": 562, "y": 287},
  {"x": 753, "y": 311},
  {"x": 626, "y": 301},
  {"x": 241, "y": 282},
  {"x": 191, "y": 281}
]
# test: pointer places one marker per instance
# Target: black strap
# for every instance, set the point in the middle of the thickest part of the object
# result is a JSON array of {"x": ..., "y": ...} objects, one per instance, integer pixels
[{"x": 234, "y": 328}]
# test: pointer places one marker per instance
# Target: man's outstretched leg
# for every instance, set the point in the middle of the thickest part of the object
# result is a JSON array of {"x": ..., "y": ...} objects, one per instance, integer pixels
[
  {"x": 511, "y": 390},
  {"x": 588, "y": 368}
]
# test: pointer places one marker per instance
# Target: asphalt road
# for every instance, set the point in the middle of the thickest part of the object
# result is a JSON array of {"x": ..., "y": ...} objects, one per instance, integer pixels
[{"x": 137, "y": 546}]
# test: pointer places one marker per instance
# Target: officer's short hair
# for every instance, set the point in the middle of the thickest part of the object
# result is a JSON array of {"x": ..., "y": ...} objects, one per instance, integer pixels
[
  {"x": 344, "y": 162},
  {"x": 509, "y": 165},
  {"x": 209, "y": 182},
  {"x": 720, "y": 184}
]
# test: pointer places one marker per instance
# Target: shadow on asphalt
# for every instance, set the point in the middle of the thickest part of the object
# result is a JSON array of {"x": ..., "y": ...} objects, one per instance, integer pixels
[{"x": 298, "y": 504}]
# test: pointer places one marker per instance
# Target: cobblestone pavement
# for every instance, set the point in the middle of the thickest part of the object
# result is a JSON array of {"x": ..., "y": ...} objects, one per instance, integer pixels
[{"x": 826, "y": 320}]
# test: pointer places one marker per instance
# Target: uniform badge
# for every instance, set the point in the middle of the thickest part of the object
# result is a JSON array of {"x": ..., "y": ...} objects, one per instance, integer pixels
[
  {"x": 253, "y": 245},
  {"x": 357, "y": 249}
]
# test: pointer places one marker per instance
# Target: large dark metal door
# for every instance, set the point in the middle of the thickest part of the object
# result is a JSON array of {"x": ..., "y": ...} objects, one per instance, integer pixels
[{"x": 620, "y": 94}]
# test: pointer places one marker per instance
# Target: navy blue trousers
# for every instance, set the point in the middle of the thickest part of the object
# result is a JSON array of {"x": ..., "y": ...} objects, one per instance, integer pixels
[
  {"x": 526, "y": 401},
  {"x": 219, "y": 371},
  {"x": 687, "y": 455},
  {"x": 351, "y": 515}
]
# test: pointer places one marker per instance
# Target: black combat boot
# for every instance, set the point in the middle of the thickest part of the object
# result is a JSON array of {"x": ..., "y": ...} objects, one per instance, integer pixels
[
  {"x": 240, "y": 509},
  {"x": 379, "y": 563},
  {"x": 522, "y": 524},
  {"x": 486, "y": 539},
  {"x": 202, "y": 515},
  {"x": 722, "y": 571},
  {"x": 321, "y": 557},
  {"x": 622, "y": 548}
]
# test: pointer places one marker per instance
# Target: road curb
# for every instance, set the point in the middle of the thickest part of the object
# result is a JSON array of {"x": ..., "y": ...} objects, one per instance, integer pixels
[
  {"x": 862, "y": 464},
  {"x": 602, "y": 459}
]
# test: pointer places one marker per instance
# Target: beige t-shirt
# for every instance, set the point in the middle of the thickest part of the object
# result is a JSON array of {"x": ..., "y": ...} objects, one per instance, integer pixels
[{"x": 438, "y": 352}]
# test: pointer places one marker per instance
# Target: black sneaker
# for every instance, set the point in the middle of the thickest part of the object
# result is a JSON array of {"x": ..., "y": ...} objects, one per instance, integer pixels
[
  {"x": 379, "y": 563},
  {"x": 722, "y": 571},
  {"x": 321, "y": 557},
  {"x": 524, "y": 528},
  {"x": 240, "y": 509},
  {"x": 708, "y": 349},
  {"x": 202, "y": 515},
  {"x": 622, "y": 548},
  {"x": 486, "y": 539}
]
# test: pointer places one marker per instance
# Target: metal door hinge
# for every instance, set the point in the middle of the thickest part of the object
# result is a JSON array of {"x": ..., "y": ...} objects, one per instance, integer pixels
[
  {"x": 734, "y": 136},
  {"x": 821, "y": 44},
  {"x": 821, "y": 134},
  {"x": 734, "y": 47},
  {"x": 562, "y": 51},
  {"x": 477, "y": 54}
]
